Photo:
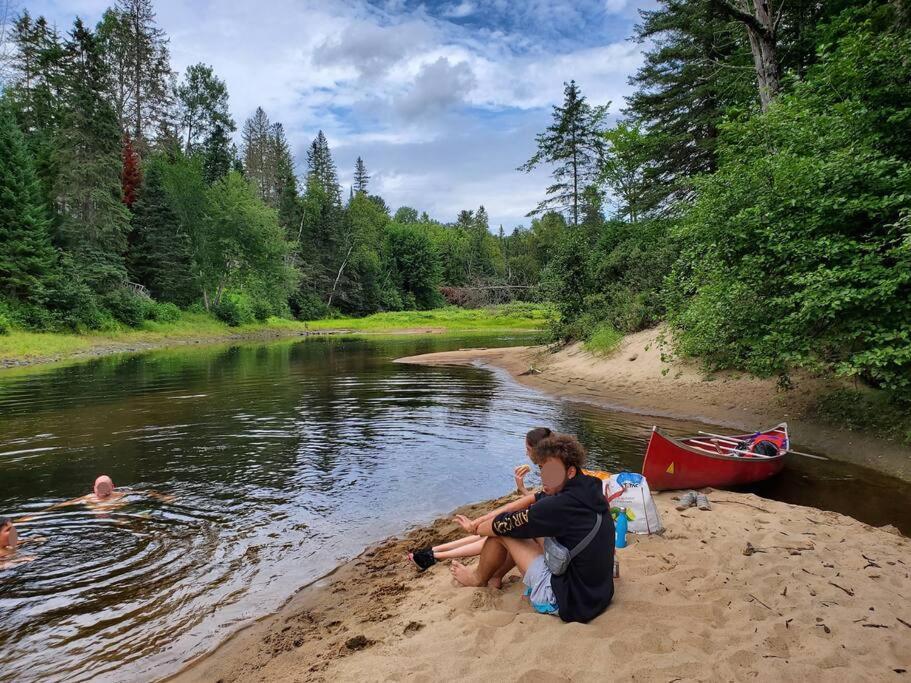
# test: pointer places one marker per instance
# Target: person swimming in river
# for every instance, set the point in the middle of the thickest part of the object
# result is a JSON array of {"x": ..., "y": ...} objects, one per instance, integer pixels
[
  {"x": 10, "y": 543},
  {"x": 104, "y": 498},
  {"x": 471, "y": 545}
]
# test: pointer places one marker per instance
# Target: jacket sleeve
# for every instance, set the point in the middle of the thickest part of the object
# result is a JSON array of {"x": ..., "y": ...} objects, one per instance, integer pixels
[{"x": 543, "y": 518}]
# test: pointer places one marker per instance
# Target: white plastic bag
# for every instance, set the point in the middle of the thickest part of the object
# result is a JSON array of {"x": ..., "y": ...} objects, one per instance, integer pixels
[{"x": 630, "y": 490}]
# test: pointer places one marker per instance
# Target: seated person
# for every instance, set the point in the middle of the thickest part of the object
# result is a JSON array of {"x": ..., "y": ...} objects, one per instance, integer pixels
[{"x": 567, "y": 512}]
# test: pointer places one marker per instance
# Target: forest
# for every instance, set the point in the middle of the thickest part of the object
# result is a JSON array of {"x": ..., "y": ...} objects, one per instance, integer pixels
[{"x": 753, "y": 192}]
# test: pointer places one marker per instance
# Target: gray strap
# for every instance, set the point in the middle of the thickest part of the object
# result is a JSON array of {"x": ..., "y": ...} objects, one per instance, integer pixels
[{"x": 583, "y": 544}]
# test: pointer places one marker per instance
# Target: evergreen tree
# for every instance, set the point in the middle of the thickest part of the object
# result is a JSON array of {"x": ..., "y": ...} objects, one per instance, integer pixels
[
  {"x": 202, "y": 101},
  {"x": 218, "y": 156},
  {"x": 138, "y": 70},
  {"x": 574, "y": 143},
  {"x": 93, "y": 220},
  {"x": 322, "y": 168},
  {"x": 160, "y": 252},
  {"x": 131, "y": 176},
  {"x": 27, "y": 257},
  {"x": 360, "y": 176}
]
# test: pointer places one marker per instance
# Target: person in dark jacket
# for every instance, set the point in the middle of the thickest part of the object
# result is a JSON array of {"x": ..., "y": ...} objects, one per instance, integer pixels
[{"x": 567, "y": 512}]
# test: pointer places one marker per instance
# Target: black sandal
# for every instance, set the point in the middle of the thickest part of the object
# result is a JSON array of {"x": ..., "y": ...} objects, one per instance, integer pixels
[{"x": 423, "y": 558}]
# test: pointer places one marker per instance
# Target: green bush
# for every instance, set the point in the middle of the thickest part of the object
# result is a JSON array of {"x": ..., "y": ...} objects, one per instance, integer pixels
[
  {"x": 234, "y": 309},
  {"x": 308, "y": 306},
  {"x": 164, "y": 312},
  {"x": 604, "y": 340},
  {"x": 127, "y": 306},
  {"x": 5, "y": 324}
]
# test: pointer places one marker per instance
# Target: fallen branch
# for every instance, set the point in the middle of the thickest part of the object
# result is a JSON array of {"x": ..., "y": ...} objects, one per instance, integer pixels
[
  {"x": 765, "y": 605},
  {"x": 846, "y": 590},
  {"x": 740, "y": 502},
  {"x": 904, "y": 622}
]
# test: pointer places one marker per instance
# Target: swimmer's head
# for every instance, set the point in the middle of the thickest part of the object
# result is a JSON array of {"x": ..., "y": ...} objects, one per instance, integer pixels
[
  {"x": 104, "y": 487},
  {"x": 7, "y": 533}
]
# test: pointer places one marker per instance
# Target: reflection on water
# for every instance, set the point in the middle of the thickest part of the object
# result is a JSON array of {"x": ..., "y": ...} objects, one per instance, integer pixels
[{"x": 284, "y": 459}]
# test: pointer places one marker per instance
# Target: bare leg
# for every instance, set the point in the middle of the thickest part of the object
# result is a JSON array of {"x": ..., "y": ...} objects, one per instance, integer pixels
[
  {"x": 496, "y": 581},
  {"x": 523, "y": 551},
  {"x": 493, "y": 555},
  {"x": 443, "y": 547},
  {"x": 467, "y": 550}
]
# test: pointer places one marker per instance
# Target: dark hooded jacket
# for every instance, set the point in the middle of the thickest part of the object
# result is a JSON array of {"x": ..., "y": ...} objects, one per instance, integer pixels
[{"x": 586, "y": 588}]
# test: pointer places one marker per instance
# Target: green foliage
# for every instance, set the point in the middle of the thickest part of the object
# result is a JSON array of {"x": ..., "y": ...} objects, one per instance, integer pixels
[
  {"x": 163, "y": 312},
  {"x": 127, "y": 306},
  {"x": 857, "y": 410},
  {"x": 414, "y": 266},
  {"x": 234, "y": 309},
  {"x": 796, "y": 252},
  {"x": 604, "y": 340}
]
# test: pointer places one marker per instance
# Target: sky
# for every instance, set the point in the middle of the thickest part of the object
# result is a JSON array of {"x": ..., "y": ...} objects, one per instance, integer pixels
[{"x": 441, "y": 99}]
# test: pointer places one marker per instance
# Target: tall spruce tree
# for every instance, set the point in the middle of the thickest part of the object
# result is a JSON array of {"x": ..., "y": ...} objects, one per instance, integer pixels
[
  {"x": 160, "y": 251},
  {"x": 138, "y": 70},
  {"x": 574, "y": 144},
  {"x": 93, "y": 220},
  {"x": 259, "y": 166},
  {"x": 218, "y": 156},
  {"x": 322, "y": 168},
  {"x": 360, "y": 176},
  {"x": 27, "y": 257}
]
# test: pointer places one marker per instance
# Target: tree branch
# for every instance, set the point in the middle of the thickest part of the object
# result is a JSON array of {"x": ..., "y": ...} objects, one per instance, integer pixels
[{"x": 738, "y": 14}]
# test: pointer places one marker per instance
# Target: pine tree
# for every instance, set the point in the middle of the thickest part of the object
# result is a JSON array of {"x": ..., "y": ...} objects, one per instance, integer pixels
[
  {"x": 138, "y": 70},
  {"x": 27, "y": 257},
  {"x": 160, "y": 253},
  {"x": 360, "y": 176},
  {"x": 258, "y": 167},
  {"x": 93, "y": 220},
  {"x": 218, "y": 156},
  {"x": 131, "y": 176},
  {"x": 696, "y": 67},
  {"x": 574, "y": 143},
  {"x": 322, "y": 168}
]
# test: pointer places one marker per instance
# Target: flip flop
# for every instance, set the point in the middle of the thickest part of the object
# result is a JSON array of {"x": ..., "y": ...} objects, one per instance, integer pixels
[{"x": 702, "y": 502}]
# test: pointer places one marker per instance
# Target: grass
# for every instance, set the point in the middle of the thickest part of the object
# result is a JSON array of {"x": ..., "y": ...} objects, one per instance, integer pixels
[
  {"x": 604, "y": 340},
  {"x": 493, "y": 318},
  {"x": 22, "y": 345}
]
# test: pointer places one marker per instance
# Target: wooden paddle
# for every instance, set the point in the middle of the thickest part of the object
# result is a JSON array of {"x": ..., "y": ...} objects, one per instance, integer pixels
[{"x": 727, "y": 438}]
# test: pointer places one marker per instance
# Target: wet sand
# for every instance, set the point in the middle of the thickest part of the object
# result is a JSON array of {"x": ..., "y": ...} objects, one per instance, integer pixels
[
  {"x": 636, "y": 378},
  {"x": 751, "y": 590}
]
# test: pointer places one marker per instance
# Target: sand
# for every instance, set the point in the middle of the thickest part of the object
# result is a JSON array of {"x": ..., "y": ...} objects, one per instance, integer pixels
[
  {"x": 751, "y": 590},
  {"x": 638, "y": 377}
]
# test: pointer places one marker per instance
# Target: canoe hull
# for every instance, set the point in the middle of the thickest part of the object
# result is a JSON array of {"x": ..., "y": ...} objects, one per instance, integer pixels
[{"x": 686, "y": 464}]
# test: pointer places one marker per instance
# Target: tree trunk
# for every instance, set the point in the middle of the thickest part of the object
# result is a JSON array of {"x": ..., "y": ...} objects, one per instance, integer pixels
[
  {"x": 762, "y": 29},
  {"x": 339, "y": 276}
]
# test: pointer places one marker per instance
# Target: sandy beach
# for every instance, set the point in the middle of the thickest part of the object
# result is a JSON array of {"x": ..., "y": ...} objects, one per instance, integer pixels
[
  {"x": 639, "y": 378},
  {"x": 751, "y": 590}
]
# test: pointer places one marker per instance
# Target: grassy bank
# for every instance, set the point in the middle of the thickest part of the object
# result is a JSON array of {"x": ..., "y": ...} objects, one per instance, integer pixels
[{"x": 20, "y": 347}]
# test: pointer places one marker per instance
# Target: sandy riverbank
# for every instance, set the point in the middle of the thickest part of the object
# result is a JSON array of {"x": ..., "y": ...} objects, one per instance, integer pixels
[
  {"x": 637, "y": 378},
  {"x": 822, "y": 596}
]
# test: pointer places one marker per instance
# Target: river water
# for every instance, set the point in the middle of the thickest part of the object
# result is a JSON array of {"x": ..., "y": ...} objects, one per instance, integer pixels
[{"x": 283, "y": 459}]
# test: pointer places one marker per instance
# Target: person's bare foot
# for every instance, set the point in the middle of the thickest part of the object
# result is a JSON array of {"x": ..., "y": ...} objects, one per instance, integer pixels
[
  {"x": 495, "y": 582},
  {"x": 464, "y": 575}
]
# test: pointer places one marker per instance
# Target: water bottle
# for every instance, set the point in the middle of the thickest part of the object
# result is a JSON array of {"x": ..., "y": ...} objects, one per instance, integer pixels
[{"x": 620, "y": 527}]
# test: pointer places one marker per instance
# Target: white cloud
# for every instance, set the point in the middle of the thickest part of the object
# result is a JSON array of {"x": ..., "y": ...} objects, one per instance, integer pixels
[{"x": 460, "y": 11}]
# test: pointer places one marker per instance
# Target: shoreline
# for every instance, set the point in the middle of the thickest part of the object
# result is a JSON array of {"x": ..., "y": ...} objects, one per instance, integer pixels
[
  {"x": 105, "y": 346},
  {"x": 636, "y": 378},
  {"x": 820, "y": 594}
]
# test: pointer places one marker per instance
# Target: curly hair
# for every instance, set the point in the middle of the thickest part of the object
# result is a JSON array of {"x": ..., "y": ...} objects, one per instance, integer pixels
[
  {"x": 564, "y": 447},
  {"x": 537, "y": 435}
]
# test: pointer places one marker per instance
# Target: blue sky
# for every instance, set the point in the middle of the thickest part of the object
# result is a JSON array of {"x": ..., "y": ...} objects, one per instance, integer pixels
[{"x": 441, "y": 99}]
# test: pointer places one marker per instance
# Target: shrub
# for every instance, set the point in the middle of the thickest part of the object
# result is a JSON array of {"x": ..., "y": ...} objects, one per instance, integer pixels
[
  {"x": 234, "y": 309},
  {"x": 308, "y": 306},
  {"x": 164, "y": 312},
  {"x": 604, "y": 340},
  {"x": 127, "y": 306},
  {"x": 5, "y": 324}
]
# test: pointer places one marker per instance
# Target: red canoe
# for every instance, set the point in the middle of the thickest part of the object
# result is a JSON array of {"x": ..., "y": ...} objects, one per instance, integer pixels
[{"x": 714, "y": 460}]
